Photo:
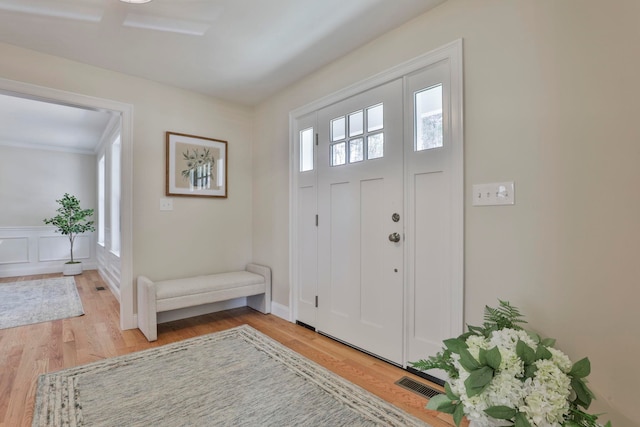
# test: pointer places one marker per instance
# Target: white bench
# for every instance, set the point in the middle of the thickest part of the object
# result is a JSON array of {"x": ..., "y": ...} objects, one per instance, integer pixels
[{"x": 155, "y": 297}]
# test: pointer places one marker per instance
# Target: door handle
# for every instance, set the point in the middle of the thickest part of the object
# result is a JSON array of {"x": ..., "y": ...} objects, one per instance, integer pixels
[{"x": 394, "y": 237}]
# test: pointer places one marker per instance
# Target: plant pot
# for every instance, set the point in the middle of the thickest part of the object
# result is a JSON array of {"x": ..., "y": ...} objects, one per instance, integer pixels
[{"x": 72, "y": 269}]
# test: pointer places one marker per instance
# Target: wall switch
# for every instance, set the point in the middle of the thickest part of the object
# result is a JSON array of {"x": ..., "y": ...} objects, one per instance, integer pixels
[
  {"x": 166, "y": 204},
  {"x": 494, "y": 194}
]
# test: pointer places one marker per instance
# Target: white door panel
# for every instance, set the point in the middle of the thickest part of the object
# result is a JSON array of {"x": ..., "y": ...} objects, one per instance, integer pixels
[
  {"x": 360, "y": 275},
  {"x": 430, "y": 215},
  {"x": 305, "y": 259}
]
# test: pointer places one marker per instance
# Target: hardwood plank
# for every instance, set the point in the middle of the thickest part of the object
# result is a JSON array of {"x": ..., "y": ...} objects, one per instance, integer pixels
[{"x": 29, "y": 351}]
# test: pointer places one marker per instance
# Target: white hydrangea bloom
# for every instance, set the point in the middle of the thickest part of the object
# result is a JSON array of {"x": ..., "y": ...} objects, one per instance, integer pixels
[
  {"x": 561, "y": 360},
  {"x": 546, "y": 399},
  {"x": 542, "y": 399}
]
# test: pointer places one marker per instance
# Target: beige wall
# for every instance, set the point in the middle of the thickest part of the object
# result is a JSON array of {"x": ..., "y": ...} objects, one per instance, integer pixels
[
  {"x": 199, "y": 235},
  {"x": 551, "y": 102},
  {"x": 28, "y": 192}
]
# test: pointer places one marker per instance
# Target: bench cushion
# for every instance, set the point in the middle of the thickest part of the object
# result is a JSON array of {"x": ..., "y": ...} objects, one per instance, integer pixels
[{"x": 180, "y": 293}]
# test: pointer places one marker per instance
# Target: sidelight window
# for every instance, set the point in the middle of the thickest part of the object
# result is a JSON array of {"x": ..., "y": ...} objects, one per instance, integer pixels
[{"x": 428, "y": 119}]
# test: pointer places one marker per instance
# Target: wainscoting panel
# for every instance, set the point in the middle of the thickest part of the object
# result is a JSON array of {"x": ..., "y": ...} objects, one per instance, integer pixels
[
  {"x": 56, "y": 248},
  {"x": 14, "y": 250},
  {"x": 40, "y": 250}
]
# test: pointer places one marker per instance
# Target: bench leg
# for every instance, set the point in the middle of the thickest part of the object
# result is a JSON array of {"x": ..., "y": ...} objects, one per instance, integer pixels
[
  {"x": 261, "y": 302},
  {"x": 147, "y": 316}
]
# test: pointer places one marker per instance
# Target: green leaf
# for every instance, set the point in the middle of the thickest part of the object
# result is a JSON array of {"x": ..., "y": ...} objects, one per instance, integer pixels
[
  {"x": 501, "y": 412},
  {"x": 549, "y": 342},
  {"x": 458, "y": 414},
  {"x": 535, "y": 337},
  {"x": 455, "y": 345},
  {"x": 467, "y": 360},
  {"x": 482, "y": 357},
  {"x": 437, "y": 401},
  {"x": 581, "y": 368},
  {"x": 525, "y": 353},
  {"x": 494, "y": 358},
  {"x": 583, "y": 394},
  {"x": 450, "y": 394},
  {"x": 476, "y": 330},
  {"x": 521, "y": 421},
  {"x": 543, "y": 353},
  {"x": 530, "y": 371},
  {"x": 505, "y": 316},
  {"x": 478, "y": 380},
  {"x": 441, "y": 403}
]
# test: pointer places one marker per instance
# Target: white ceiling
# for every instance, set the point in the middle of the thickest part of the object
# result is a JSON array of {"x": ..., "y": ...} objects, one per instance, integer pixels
[
  {"x": 31, "y": 123},
  {"x": 238, "y": 50}
]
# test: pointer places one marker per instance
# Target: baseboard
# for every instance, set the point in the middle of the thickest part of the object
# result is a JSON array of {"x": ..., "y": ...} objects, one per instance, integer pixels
[
  {"x": 282, "y": 311},
  {"x": 30, "y": 270}
]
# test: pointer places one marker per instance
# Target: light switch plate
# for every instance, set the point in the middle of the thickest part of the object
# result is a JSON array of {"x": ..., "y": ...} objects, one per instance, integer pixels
[
  {"x": 494, "y": 194},
  {"x": 166, "y": 204}
]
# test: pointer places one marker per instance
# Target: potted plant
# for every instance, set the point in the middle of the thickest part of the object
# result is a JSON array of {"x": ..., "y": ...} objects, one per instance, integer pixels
[{"x": 71, "y": 221}]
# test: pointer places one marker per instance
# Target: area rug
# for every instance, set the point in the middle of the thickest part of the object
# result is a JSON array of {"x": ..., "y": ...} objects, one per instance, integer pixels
[
  {"x": 35, "y": 301},
  {"x": 238, "y": 377}
]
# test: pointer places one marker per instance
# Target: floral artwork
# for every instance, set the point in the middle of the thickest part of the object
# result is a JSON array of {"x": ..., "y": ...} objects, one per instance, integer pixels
[
  {"x": 503, "y": 375},
  {"x": 196, "y": 166},
  {"x": 199, "y": 168}
]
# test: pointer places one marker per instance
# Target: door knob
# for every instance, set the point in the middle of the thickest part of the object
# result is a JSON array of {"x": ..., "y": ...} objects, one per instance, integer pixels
[{"x": 394, "y": 237}]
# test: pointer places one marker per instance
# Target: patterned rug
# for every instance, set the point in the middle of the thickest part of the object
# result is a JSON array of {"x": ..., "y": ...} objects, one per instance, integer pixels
[
  {"x": 35, "y": 301},
  {"x": 238, "y": 377}
]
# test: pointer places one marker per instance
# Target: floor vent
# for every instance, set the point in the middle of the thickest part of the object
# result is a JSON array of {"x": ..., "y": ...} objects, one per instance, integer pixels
[
  {"x": 99, "y": 288},
  {"x": 417, "y": 387}
]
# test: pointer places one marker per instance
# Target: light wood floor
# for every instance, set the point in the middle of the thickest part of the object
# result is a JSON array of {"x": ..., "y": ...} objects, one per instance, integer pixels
[{"x": 28, "y": 351}]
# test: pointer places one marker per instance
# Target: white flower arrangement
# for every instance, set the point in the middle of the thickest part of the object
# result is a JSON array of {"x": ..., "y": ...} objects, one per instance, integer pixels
[{"x": 502, "y": 375}]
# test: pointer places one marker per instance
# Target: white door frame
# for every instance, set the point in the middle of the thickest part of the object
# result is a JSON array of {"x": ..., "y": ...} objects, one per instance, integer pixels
[
  {"x": 11, "y": 87},
  {"x": 451, "y": 52}
]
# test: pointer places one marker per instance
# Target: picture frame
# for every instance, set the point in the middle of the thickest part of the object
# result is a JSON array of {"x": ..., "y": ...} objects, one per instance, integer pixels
[{"x": 195, "y": 166}]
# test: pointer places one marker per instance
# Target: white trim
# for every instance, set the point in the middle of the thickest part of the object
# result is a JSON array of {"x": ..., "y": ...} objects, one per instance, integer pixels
[
  {"x": 415, "y": 64},
  {"x": 281, "y": 311},
  {"x": 450, "y": 52},
  {"x": 26, "y": 90}
]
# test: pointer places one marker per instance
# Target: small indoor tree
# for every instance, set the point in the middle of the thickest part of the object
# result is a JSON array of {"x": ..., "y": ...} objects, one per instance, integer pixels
[{"x": 71, "y": 220}]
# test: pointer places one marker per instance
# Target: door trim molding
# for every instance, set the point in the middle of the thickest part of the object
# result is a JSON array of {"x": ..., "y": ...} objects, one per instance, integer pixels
[{"x": 451, "y": 52}]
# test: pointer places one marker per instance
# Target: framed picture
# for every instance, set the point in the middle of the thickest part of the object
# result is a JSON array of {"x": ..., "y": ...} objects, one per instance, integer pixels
[{"x": 196, "y": 166}]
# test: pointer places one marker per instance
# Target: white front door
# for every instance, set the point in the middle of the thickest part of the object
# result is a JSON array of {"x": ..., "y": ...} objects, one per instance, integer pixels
[
  {"x": 382, "y": 157},
  {"x": 360, "y": 224}
]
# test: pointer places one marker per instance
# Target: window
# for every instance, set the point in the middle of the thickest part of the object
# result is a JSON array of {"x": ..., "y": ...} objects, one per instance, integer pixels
[
  {"x": 338, "y": 154},
  {"x": 375, "y": 146},
  {"x": 306, "y": 150},
  {"x": 356, "y": 153},
  {"x": 115, "y": 196},
  {"x": 370, "y": 142},
  {"x": 101, "y": 201},
  {"x": 428, "y": 131}
]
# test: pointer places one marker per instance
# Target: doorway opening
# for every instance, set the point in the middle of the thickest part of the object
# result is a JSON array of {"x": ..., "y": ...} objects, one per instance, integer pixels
[{"x": 120, "y": 121}]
